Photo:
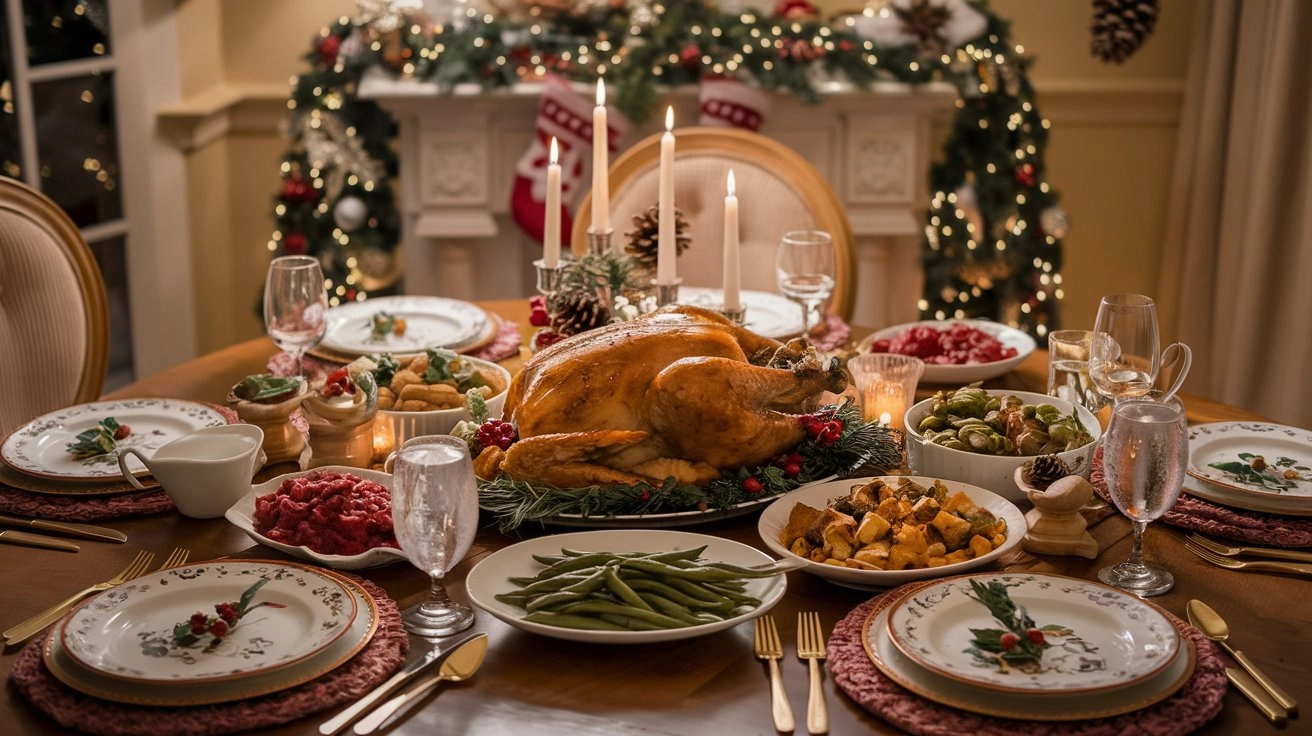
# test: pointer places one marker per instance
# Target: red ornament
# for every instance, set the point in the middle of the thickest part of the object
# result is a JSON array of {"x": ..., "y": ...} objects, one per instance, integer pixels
[
  {"x": 296, "y": 189},
  {"x": 543, "y": 338},
  {"x": 328, "y": 48},
  {"x": 350, "y": 295},
  {"x": 796, "y": 10},
  {"x": 538, "y": 314},
  {"x": 1025, "y": 175},
  {"x": 691, "y": 57},
  {"x": 294, "y": 243}
]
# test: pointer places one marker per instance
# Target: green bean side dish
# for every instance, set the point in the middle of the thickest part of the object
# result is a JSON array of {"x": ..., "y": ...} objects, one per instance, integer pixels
[{"x": 635, "y": 591}]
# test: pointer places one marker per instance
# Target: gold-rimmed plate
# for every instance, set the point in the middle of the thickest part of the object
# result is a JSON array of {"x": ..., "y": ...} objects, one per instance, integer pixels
[
  {"x": 431, "y": 322},
  {"x": 894, "y": 664},
  {"x": 1222, "y": 465},
  {"x": 93, "y": 683}
]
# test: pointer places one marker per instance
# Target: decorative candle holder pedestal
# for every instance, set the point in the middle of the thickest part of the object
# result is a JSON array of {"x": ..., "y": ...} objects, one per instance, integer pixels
[
  {"x": 549, "y": 276},
  {"x": 737, "y": 316},
  {"x": 283, "y": 442},
  {"x": 599, "y": 243},
  {"x": 1056, "y": 526},
  {"x": 666, "y": 293},
  {"x": 340, "y": 433}
]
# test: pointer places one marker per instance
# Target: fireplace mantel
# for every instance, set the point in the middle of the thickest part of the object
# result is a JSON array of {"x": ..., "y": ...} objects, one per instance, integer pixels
[{"x": 458, "y": 149}]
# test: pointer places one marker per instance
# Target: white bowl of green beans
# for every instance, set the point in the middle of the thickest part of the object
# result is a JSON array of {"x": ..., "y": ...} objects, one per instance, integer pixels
[{"x": 627, "y": 586}]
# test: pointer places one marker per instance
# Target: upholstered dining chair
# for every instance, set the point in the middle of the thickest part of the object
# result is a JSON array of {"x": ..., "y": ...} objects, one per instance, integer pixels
[
  {"x": 777, "y": 191},
  {"x": 54, "y": 323}
]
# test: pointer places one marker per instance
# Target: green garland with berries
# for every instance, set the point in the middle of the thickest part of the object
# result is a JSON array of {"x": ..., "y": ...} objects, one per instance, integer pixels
[{"x": 838, "y": 442}]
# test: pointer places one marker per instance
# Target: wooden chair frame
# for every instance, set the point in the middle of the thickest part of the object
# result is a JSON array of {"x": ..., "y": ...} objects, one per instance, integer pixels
[
  {"x": 26, "y": 202},
  {"x": 738, "y": 144}
]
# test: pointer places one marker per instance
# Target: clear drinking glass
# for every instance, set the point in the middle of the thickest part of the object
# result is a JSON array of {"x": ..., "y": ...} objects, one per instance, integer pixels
[
  {"x": 435, "y": 515},
  {"x": 1124, "y": 353},
  {"x": 1145, "y": 452},
  {"x": 804, "y": 266},
  {"x": 295, "y": 305},
  {"x": 1068, "y": 369}
]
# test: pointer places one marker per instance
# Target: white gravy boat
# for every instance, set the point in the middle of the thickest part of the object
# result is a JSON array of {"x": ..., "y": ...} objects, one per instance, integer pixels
[{"x": 204, "y": 472}]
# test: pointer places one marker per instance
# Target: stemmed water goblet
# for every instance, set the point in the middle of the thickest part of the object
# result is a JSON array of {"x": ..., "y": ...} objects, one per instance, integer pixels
[
  {"x": 435, "y": 517},
  {"x": 1124, "y": 353},
  {"x": 1145, "y": 452},
  {"x": 804, "y": 266},
  {"x": 295, "y": 305}
]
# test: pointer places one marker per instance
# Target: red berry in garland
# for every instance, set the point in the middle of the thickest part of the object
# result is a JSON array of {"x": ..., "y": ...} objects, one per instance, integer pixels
[
  {"x": 498, "y": 433},
  {"x": 752, "y": 485}
]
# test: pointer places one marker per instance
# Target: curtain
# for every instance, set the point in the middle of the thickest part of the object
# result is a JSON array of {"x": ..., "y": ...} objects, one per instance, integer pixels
[{"x": 1236, "y": 281}]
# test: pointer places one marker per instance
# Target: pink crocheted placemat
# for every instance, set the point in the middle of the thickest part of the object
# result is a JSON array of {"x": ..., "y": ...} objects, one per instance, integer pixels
[
  {"x": 95, "y": 504},
  {"x": 1197, "y": 702},
  {"x": 71, "y": 709},
  {"x": 1200, "y": 515}
]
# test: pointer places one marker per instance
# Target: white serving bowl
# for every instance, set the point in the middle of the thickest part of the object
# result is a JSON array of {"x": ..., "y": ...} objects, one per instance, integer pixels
[
  {"x": 949, "y": 374},
  {"x": 242, "y": 514},
  {"x": 408, "y": 424},
  {"x": 993, "y": 472},
  {"x": 775, "y": 518}
]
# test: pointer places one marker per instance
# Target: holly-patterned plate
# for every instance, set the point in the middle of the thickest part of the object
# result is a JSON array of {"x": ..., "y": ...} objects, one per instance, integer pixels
[{"x": 40, "y": 447}]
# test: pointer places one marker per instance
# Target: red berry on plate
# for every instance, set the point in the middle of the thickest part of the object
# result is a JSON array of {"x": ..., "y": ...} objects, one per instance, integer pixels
[
  {"x": 219, "y": 628},
  {"x": 1035, "y": 636},
  {"x": 1008, "y": 641},
  {"x": 122, "y": 431},
  {"x": 199, "y": 622}
]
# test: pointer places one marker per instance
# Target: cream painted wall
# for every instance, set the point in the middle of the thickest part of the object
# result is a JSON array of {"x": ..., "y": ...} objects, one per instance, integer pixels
[{"x": 1110, "y": 151}]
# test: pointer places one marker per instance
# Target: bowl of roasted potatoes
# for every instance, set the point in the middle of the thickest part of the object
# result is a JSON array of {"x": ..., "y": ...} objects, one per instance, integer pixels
[
  {"x": 878, "y": 532},
  {"x": 432, "y": 392}
]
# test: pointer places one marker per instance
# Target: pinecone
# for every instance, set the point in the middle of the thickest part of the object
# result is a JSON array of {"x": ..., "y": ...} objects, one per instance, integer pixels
[
  {"x": 1044, "y": 470},
  {"x": 644, "y": 240},
  {"x": 577, "y": 311},
  {"x": 1120, "y": 27}
]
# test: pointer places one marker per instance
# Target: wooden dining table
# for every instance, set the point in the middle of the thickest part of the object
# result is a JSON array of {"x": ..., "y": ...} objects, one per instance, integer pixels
[{"x": 709, "y": 685}]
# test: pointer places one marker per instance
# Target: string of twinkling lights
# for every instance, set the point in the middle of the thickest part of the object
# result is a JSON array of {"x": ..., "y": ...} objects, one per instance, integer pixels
[{"x": 993, "y": 230}]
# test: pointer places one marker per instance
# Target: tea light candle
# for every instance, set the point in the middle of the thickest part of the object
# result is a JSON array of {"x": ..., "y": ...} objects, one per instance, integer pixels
[
  {"x": 732, "y": 275},
  {"x": 384, "y": 439},
  {"x": 666, "y": 232},
  {"x": 886, "y": 402},
  {"x": 551, "y": 227},
  {"x": 600, "y": 164}
]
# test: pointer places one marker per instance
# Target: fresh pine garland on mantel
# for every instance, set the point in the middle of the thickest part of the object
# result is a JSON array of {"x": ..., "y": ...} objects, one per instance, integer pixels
[{"x": 992, "y": 245}]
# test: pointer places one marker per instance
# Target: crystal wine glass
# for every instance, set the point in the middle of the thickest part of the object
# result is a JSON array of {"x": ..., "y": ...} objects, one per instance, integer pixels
[
  {"x": 804, "y": 266},
  {"x": 295, "y": 305},
  {"x": 1145, "y": 452},
  {"x": 1124, "y": 353},
  {"x": 435, "y": 516}
]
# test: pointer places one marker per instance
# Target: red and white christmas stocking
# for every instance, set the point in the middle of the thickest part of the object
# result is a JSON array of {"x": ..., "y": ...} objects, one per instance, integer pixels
[
  {"x": 567, "y": 115},
  {"x": 728, "y": 103}
]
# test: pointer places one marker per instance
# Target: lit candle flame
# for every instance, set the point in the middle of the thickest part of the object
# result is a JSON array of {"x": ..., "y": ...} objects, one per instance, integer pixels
[
  {"x": 601, "y": 93},
  {"x": 669, "y": 118},
  {"x": 730, "y": 183},
  {"x": 555, "y": 151}
]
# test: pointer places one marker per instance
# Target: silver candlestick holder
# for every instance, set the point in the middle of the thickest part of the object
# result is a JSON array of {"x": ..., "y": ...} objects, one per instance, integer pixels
[
  {"x": 549, "y": 277},
  {"x": 737, "y": 316},
  {"x": 599, "y": 242},
  {"x": 666, "y": 293}
]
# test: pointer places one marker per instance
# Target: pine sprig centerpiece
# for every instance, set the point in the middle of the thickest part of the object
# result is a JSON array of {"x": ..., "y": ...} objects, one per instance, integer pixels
[{"x": 837, "y": 442}]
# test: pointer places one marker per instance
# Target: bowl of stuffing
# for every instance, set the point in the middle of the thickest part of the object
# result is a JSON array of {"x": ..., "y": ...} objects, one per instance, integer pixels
[
  {"x": 981, "y": 436},
  {"x": 333, "y": 515},
  {"x": 434, "y": 391}
]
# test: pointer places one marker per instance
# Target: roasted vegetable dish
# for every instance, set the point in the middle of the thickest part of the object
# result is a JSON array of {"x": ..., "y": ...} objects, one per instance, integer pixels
[{"x": 973, "y": 420}]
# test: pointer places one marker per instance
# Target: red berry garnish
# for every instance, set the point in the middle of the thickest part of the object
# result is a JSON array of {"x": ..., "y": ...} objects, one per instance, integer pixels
[
  {"x": 1035, "y": 636},
  {"x": 199, "y": 622},
  {"x": 1008, "y": 641},
  {"x": 829, "y": 433},
  {"x": 227, "y": 612},
  {"x": 219, "y": 628},
  {"x": 496, "y": 432},
  {"x": 792, "y": 470},
  {"x": 752, "y": 485},
  {"x": 122, "y": 431}
]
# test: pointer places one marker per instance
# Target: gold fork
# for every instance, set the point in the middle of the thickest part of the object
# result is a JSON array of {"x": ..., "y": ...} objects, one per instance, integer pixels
[
  {"x": 1301, "y": 568},
  {"x": 769, "y": 649},
  {"x": 1228, "y": 551},
  {"x": 177, "y": 558},
  {"x": 811, "y": 647},
  {"x": 50, "y": 615}
]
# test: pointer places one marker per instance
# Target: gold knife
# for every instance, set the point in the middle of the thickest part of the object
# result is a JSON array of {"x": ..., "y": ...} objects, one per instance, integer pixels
[
  {"x": 1261, "y": 698},
  {"x": 64, "y": 527},
  {"x": 36, "y": 540}
]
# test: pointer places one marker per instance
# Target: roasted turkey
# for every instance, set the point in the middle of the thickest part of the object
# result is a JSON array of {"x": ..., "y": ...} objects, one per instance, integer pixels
[{"x": 674, "y": 393}]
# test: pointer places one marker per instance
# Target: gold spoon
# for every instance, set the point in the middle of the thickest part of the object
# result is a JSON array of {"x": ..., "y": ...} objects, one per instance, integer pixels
[
  {"x": 460, "y": 666},
  {"x": 1214, "y": 627}
]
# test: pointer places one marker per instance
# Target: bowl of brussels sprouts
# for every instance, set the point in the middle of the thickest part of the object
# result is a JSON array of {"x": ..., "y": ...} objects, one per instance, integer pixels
[{"x": 981, "y": 436}]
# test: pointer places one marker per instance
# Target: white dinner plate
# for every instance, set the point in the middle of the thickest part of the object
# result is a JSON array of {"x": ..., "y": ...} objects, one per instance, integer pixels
[
  {"x": 1022, "y": 706},
  {"x": 770, "y": 315},
  {"x": 242, "y": 514},
  {"x": 128, "y": 633},
  {"x": 491, "y": 577},
  {"x": 960, "y": 375},
  {"x": 431, "y": 322},
  {"x": 40, "y": 447},
  {"x": 1115, "y": 639},
  {"x": 96, "y": 684},
  {"x": 1283, "y": 448},
  {"x": 775, "y": 518}
]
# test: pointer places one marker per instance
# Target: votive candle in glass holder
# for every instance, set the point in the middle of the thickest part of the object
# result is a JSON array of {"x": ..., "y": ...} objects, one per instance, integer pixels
[{"x": 886, "y": 384}]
